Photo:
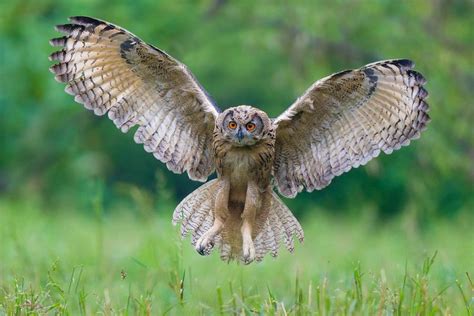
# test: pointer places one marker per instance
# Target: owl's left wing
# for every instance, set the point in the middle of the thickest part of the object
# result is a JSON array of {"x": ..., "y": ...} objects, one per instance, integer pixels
[
  {"x": 110, "y": 70},
  {"x": 346, "y": 119}
]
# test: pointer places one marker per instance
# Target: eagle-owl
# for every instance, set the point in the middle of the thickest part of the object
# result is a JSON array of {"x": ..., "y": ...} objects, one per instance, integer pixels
[{"x": 341, "y": 122}]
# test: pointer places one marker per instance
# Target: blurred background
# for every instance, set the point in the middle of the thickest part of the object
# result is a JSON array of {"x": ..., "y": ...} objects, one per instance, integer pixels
[
  {"x": 85, "y": 212},
  {"x": 260, "y": 53}
]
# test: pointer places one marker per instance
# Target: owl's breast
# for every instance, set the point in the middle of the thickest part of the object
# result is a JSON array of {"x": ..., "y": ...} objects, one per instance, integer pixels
[
  {"x": 238, "y": 166},
  {"x": 242, "y": 165}
]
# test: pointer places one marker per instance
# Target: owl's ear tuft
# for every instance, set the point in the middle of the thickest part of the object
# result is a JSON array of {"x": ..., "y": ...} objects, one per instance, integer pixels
[{"x": 257, "y": 118}]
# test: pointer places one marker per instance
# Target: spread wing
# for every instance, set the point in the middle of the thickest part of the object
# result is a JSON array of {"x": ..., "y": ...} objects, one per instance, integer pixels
[
  {"x": 110, "y": 70},
  {"x": 346, "y": 119}
]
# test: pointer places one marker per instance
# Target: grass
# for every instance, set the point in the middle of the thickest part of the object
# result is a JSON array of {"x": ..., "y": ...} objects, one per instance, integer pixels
[{"x": 118, "y": 261}]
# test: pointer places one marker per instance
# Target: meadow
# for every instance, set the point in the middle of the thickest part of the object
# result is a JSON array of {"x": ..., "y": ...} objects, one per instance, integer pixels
[
  {"x": 85, "y": 214},
  {"x": 118, "y": 263}
]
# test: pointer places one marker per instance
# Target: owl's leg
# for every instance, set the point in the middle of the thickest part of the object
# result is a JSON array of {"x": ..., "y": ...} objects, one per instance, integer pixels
[
  {"x": 252, "y": 200},
  {"x": 206, "y": 241}
]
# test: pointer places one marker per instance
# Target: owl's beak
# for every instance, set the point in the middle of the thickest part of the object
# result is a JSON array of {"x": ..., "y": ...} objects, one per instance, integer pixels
[{"x": 240, "y": 135}]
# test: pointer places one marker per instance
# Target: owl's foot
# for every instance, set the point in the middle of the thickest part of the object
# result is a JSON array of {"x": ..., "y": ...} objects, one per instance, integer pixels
[
  {"x": 248, "y": 250},
  {"x": 205, "y": 243}
]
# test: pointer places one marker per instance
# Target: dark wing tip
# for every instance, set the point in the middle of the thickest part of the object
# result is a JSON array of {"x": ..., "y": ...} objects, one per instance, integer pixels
[
  {"x": 85, "y": 20},
  {"x": 422, "y": 121},
  {"x": 424, "y": 106},
  {"x": 419, "y": 78},
  {"x": 68, "y": 28},
  {"x": 422, "y": 93},
  {"x": 404, "y": 64},
  {"x": 427, "y": 119},
  {"x": 59, "y": 55},
  {"x": 59, "y": 41},
  {"x": 55, "y": 69}
]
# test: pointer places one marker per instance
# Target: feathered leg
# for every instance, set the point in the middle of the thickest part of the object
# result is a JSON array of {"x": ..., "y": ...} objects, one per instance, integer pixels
[
  {"x": 252, "y": 202},
  {"x": 206, "y": 241}
]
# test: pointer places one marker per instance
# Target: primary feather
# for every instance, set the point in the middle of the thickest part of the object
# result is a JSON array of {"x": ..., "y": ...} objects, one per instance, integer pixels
[
  {"x": 346, "y": 119},
  {"x": 110, "y": 70}
]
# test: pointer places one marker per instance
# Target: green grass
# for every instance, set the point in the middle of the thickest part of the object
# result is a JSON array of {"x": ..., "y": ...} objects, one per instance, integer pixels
[{"x": 132, "y": 262}]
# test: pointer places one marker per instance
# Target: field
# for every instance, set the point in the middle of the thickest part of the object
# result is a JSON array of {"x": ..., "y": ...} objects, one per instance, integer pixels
[
  {"x": 85, "y": 214},
  {"x": 115, "y": 262}
]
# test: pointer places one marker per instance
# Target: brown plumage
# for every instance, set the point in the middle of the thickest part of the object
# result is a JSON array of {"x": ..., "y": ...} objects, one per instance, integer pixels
[{"x": 339, "y": 123}]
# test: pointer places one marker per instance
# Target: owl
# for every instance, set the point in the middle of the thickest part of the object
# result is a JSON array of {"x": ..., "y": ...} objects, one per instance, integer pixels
[{"x": 341, "y": 122}]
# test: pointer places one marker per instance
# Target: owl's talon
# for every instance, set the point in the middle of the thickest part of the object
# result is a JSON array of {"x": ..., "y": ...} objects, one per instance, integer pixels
[
  {"x": 205, "y": 244},
  {"x": 248, "y": 252}
]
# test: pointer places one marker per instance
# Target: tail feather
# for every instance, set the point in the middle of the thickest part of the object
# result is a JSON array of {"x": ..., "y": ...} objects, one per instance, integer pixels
[
  {"x": 291, "y": 226},
  {"x": 198, "y": 224},
  {"x": 195, "y": 209},
  {"x": 226, "y": 250},
  {"x": 280, "y": 226},
  {"x": 269, "y": 239},
  {"x": 196, "y": 214}
]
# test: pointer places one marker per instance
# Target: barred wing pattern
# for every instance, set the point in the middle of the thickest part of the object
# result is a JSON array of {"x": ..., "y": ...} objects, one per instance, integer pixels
[
  {"x": 346, "y": 119},
  {"x": 196, "y": 215},
  {"x": 110, "y": 70}
]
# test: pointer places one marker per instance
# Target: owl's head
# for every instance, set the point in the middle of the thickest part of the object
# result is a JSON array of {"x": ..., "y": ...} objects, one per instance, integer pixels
[{"x": 244, "y": 125}]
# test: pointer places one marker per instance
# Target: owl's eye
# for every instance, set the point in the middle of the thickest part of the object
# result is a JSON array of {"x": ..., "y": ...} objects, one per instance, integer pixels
[
  {"x": 232, "y": 125},
  {"x": 250, "y": 127}
]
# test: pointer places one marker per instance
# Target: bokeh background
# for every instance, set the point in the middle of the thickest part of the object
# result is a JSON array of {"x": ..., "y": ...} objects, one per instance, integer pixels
[
  {"x": 60, "y": 160},
  {"x": 264, "y": 54}
]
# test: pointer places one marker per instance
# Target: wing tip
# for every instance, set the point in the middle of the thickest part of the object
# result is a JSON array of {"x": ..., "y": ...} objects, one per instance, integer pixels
[
  {"x": 425, "y": 119},
  {"x": 58, "y": 41},
  {"x": 76, "y": 23},
  {"x": 85, "y": 20},
  {"x": 54, "y": 68},
  {"x": 403, "y": 63},
  {"x": 69, "y": 90},
  {"x": 419, "y": 78},
  {"x": 61, "y": 78},
  {"x": 68, "y": 28},
  {"x": 422, "y": 93}
]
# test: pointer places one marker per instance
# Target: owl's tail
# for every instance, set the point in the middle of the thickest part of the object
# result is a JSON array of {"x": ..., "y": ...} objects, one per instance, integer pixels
[
  {"x": 280, "y": 226},
  {"x": 196, "y": 211},
  {"x": 276, "y": 226}
]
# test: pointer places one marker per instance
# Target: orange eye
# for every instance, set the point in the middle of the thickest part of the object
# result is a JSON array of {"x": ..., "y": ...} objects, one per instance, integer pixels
[
  {"x": 232, "y": 125},
  {"x": 250, "y": 127}
]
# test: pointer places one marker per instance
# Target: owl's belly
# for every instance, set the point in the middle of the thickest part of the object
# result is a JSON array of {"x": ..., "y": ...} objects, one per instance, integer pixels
[{"x": 239, "y": 167}]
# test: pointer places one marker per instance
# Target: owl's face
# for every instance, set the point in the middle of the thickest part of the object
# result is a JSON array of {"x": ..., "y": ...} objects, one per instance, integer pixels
[{"x": 243, "y": 125}]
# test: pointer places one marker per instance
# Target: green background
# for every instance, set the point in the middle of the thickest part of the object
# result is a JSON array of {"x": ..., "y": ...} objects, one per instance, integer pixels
[
  {"x": 61, "y": 165},
  {"x": 260, "y": 53}
]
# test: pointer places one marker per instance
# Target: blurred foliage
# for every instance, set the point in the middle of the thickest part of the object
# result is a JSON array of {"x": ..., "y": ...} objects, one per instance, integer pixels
[{"x": 263, "y": 53}]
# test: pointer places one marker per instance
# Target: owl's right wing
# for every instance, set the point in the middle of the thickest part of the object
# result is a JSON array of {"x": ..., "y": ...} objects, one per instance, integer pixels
[
  {"x": 346, "y": 119},
  {"x": 110, "y": 70}
]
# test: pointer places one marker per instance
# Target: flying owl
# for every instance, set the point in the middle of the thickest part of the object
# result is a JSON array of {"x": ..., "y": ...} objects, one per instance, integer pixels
[{"x": 341, "y": 122}]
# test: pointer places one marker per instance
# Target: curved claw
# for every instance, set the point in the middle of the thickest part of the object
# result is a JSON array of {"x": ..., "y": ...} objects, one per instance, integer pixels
[
  {"x": 205, "y": 244},
  {"x": 248, "y": 251}
]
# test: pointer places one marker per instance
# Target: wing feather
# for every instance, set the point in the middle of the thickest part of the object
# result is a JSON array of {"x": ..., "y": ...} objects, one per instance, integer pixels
[
  {"x": 110, "y": 70},
  {"x": 345, "y": 120}
]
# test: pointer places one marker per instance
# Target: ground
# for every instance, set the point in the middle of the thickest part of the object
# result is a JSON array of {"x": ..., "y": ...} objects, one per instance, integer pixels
[{"x": 118, "y": 262}]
